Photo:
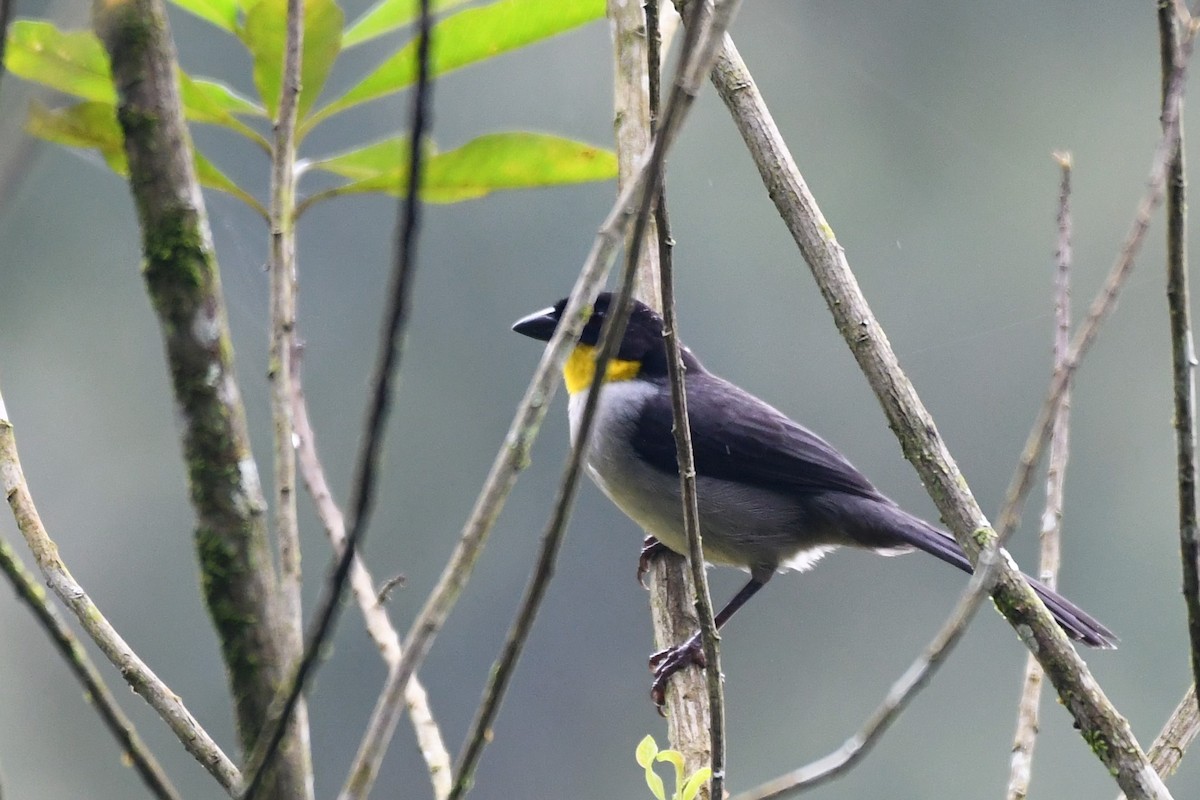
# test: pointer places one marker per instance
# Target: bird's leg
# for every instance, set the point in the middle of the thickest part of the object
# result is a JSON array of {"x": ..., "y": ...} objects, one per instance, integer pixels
[
  {"x": 651, "y": 549},
  {"x": 666, "y": 663}
]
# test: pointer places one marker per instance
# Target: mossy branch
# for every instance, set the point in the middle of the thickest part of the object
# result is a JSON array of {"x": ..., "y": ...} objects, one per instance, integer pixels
[{"x": 181, "y": 276}]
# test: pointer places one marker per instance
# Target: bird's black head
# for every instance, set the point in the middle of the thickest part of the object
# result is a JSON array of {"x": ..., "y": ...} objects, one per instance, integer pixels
[
  {"x": 643, "y": 335},
  {"x": 642, "y": 353}
]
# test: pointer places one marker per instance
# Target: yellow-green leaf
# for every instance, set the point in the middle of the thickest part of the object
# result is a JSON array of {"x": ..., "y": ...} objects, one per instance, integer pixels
[
  {"x": 92, "y": 125},
  {"x": 216, "y": 104},
  {"x": 89, "y": 125},
  {"x": 222, "y": 13},
  {"x": 387, "y": 16},
  {"x": 692, "y": 787},
  {"x": 493, "y": 162},
  {"x": 467, "y": 37},
  {"x": 72, "y": 62},
  {"x": 265, "y": 34},
  {"x": 213, "y": 178},
  {"x": 646, "y": 750}
]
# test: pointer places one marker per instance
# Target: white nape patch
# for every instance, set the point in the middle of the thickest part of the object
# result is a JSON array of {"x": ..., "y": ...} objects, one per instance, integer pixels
[{"x": 807, "y": 559}]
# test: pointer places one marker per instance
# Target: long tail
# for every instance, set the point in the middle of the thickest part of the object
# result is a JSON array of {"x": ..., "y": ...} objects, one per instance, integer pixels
[{"x": 1077, "y": 623}]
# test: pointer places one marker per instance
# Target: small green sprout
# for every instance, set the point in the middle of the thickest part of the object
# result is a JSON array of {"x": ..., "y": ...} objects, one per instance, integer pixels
[{"x": 648, "y": 754}]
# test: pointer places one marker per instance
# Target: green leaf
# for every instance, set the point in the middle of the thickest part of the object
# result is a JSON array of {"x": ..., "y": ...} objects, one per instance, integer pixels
[
  {"x": 387, "y": 16},
  {"x": 89, "y": 125},
  {"x": 265, "y": 34},
  {"x": 492, "y": 162},
  {"x": 517, "y": 160},
  {"x": 692, "y": 787},
  {"x": 387, "y": 158},
  {"x": 646, "y": 750},
  {"x": 93, "y": 125},
  {"x": 209, "y": 97},
  {"x": 71, "y": 62},
  {"x": 673, "y": 757},
  {"x": 467, "y": 37},
  {"x": 216, "y": 104},
  {"x": 222, "y": 13},
  {"x": 213, "y": 178}
]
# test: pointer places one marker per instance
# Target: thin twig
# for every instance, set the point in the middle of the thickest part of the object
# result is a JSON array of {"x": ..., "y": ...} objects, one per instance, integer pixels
[
  {"x": 283, "y": 319},
  {"x": 710, "y": 636},
  {"x": 139, "y": 676},
  {"x": 1176, "y": 736},
  {"x": 1107, "y": 731},
  {"x": 1183, "y": 349},
  {"x": 282, "y": 342},
  {"x": 387, "y": 365},
  {"x": 98, "y": 694},
  {"x": 551, "y": 541},
  {"x": 362, "y": 585},
  {"x": 1020, "y": 764},
  {"x": 672, "y": 591},
  {"x": 514, "y": 454},
  {"x": 1106, "y": 299},
  {"x": 898, "y": 697}
]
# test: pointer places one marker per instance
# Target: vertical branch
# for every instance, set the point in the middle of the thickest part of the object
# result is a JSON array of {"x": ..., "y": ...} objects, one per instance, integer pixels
[
  {"x": 631, "y": 120},
  {"x": 637, "y": 60},
  {"x": 710, "y": 637},
  {"x": 283, "y": 319},
  {"x": 387, "y": 363},
  {"x": 1027, "y": 708},
  {"x": 1183, "y": 350},
  {"x": 282, "y": 342},
  {"x": 181, "y": 275}
]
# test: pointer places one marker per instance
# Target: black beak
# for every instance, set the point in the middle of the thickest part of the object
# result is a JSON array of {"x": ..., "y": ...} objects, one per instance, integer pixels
[{"x": 538, "y": 325}]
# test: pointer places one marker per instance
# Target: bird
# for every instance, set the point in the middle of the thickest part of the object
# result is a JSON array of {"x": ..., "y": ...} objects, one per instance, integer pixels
[{"x": 771, "y": 494}]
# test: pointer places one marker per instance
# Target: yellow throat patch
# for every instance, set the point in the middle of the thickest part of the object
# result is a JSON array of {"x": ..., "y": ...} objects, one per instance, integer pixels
[{"x": 581, "y": 367}]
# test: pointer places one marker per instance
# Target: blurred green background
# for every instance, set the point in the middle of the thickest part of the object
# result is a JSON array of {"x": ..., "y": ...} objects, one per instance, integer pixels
[{"x": 925, "y": 130}]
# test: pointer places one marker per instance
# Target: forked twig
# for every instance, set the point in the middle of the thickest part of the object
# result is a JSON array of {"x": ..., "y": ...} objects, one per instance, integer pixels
[
  {"x": 97, "y": 692},
  {"x": 139, "y": 676}
]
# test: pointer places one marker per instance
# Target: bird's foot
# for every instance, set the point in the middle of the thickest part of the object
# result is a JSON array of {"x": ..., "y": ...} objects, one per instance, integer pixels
[
  {"x": 666, "y": 663},
  {"x": 651, "y": 549}
]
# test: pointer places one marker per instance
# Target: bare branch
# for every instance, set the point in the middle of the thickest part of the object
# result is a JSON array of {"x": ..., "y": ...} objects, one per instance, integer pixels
[
  {"x": 139, "y": 676},
  {"x": 182, "y": 279},
  {"x": 1031, "y": 693},
  {"x": 1176, "y": 736},
  {"x": 1106, "y": 299},
  {"x": 98, "y": 694},
  {"x": 1183, "y": 348},
  {"x": 282, "y": 267},
  {"x": 370, "y": 602},
  {"x": 898, "y": 697},
  {"x": 709, "y": 636},
  {"x": 386, "y": 367},
  {"x": 283, "y": 322},
  {"x": 1105, "y": 729}
]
